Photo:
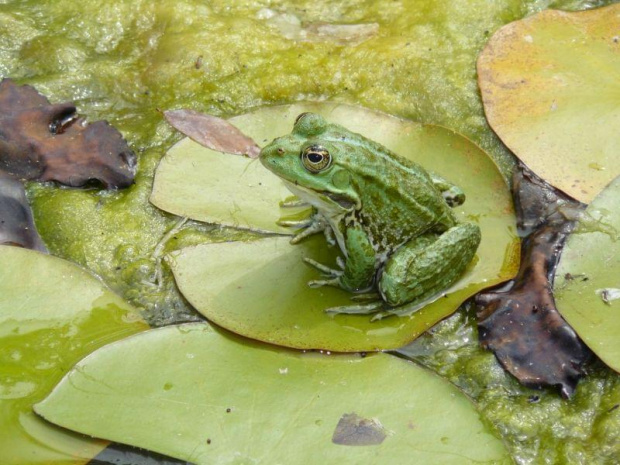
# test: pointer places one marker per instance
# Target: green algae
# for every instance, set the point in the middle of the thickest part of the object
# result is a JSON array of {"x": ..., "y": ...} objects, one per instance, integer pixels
[
  {"x": 124, "y": 60},
  {"x": 537, "y": 426}
]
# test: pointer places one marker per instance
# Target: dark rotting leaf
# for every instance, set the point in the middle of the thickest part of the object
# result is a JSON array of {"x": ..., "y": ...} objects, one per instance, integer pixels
[
  {"x": 353, "y": 430},
  {"x": 16, "y": 222},
  {"x": 51, "y": 142},
  {"x": 519, "y": 321},
  {"x": 212, "y": 132}
]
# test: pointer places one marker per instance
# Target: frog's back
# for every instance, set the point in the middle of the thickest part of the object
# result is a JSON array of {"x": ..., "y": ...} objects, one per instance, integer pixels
[{"x": 399, "y": 199}]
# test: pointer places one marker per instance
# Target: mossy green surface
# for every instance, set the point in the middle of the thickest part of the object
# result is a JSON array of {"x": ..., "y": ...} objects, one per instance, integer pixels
[{"x": 125, "y": 60}]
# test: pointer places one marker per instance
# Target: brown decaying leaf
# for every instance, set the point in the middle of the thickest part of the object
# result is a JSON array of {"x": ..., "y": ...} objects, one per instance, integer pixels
[
  {"x": 212, "y": 132},
  {"x": 519, "y": 321},
  {"x": 45, "y": 142},
  {"x": 16, "y": 222}
]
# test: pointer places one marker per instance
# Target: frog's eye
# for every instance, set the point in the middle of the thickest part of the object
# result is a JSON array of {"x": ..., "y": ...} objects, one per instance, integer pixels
[
  {"x": 315, "y": 158},
  {"x": 300, "y": 117}
]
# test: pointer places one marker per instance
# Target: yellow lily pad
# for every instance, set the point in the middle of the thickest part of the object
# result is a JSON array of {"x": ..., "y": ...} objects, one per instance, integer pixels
[
  {"x": 551, "y": 91},
  {"x": 52, "y": 314},
  {"x": 195, "y": 394},
  {"x": 587, "y": 285},
  {"x": 259, "y": 289}
]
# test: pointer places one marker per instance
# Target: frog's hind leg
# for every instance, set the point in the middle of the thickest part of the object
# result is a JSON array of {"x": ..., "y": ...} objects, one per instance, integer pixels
[{"x": 428, "y": 264}]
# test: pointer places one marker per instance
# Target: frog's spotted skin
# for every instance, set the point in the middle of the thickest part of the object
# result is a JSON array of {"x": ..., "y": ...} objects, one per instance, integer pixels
[{"x": 390, "y": 217}]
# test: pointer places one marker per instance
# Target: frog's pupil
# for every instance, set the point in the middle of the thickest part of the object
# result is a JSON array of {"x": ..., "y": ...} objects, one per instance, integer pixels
[{"x": 315, "y": 157}]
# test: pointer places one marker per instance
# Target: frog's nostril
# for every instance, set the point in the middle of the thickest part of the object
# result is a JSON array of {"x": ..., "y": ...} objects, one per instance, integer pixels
[{"x": 280, "y": 151}]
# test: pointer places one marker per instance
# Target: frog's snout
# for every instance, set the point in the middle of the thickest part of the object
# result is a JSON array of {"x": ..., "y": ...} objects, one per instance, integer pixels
[{"x": 270, "y": 156}]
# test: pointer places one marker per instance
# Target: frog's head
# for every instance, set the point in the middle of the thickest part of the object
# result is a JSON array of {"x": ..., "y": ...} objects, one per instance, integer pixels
[{"x": 314, "y": 159}]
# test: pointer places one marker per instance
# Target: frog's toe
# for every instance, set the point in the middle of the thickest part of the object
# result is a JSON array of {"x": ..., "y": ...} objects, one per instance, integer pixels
[
  {"x": 326, "y": 270},
  {"x": 334, "y": 282},
  {"x": 293, "y": 202},
  {"x": 329, "y": 236},
  {"x": 362, "y": 309},
  {"x": 304, "y": 223},
  {"x": 367, "y": 297}
]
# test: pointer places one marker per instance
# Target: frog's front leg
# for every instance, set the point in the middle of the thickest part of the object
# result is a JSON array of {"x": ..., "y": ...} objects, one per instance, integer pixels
[
  {"x": 359, "y": 268},
  {"x": 428, "y": 264}
]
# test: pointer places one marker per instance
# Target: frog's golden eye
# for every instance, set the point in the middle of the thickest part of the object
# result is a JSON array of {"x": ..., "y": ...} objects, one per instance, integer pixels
[{"x": 315, "y": 158}]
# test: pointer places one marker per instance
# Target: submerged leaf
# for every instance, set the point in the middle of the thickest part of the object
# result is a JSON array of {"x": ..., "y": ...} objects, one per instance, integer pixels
[
  {"x": 550, "y": 89},
  {"x": 260, "y": 289},
  {"x": 16, "y": 222},
  {"x": 209, "y": 398},
  {"x": 45, "y": 142},
  {"x": 519, "y": 322},
  {"x": 52, "y": 314},
  {"x": 589, "y": 267},
  {"x": 212, "y": 132}
]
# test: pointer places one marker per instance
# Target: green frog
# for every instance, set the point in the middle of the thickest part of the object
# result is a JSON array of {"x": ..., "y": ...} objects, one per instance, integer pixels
[{"x": 391, "y": 218}]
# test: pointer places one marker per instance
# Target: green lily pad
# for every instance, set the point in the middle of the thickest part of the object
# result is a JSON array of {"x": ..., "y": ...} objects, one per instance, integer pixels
[
  {"x": 192, "y": 393},
  {"x": 260, "y": 290},
  {"x": 550, "y": 89},
  {"x": 588, "y": 274},
  {"x": 199, "y": 183},
  {"x": 52, "y": 313}
]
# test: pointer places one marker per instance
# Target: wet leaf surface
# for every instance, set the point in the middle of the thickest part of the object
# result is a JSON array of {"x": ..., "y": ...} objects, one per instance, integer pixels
[
  {"x": 53, "y": 313},
  {"x": 519, "y": 321},
  {"x": 204, "y": 396},
  {"x": 550, "y": 89},
  {"x": 589, "y": 275},
  {"x": 16, "y": 223},
  {"x": 263, "y": 292},
  {"x": 212, "y": 132},
  {"x": 45, "y": 142}
]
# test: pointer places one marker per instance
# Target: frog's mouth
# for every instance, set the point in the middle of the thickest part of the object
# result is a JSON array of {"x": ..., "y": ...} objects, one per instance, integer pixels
[
  {"x": 322, "y": 200},
  {"x": 340, "y": 199}
]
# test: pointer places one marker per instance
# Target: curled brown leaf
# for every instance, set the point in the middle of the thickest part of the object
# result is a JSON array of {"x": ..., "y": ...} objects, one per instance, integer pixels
[
  {"x": 212, "y": 132},
  {"x": 45, "y": 142}
]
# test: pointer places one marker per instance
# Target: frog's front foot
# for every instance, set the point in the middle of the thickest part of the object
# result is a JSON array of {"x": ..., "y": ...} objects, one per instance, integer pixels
[
  {"x": 332, "y": 275},
  {"x": 313, "y": 225}
]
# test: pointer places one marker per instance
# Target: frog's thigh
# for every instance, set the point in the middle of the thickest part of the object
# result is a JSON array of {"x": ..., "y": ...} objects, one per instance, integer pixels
[{"x": 428, "y": 264}]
